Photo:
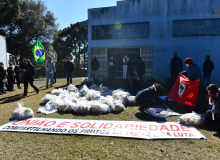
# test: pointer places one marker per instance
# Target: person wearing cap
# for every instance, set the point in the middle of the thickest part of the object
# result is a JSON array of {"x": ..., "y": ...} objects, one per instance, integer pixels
[
  {"x": 69, "y": 67},
  {"x": 208, "y": 67},
  {"x": 49, "y": 71},
  {"x": 95, "y": 66},
  {"x": 140, "y": 69},
  {"x": 112, "y": 63},
  {"x": 194, "y": 73},
  {"x": 176, "y": 66},
  {"x": 126, "y": 69},
  {"x": 11, "y": 76}
]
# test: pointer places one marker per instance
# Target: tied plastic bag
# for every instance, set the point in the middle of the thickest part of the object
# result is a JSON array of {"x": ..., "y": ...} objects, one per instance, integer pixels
[
  {"x": 55, "y": 92},
  {"x": 131, "y": 100},
  {"x": 109, "y": 93},
  {"x": 93, "y": 95},
  {"x": 56, "y": 102},
  {"x": 161, "y": 112},
  {"x": 82, "y": 107},
  {"x": 106, "y": 100},
  {"x": 72, "y": 88},
  {"x": 83, "y": 91},
  {"x": 103, "y": 88},
  {"x": 47, "y": 110},
  {"x": 192, "y": 119},
  {"x": 74, "y": 99},
  {"x": 22, "y": 112},
  {"x": 67, "y": 107},
  {"x": 47, "y": 98},
  {"x": 120, "y": 94},
  {"x": 99, "y": 108},
  {"x": 117, "y": 106},
  {"x": 94, "y": 87},
  {"x": 73, "y": 94}
]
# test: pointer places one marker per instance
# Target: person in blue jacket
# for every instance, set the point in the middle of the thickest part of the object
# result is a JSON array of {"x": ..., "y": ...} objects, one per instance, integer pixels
[
  {"x": 112, "y": 63},
  {"x": 194, "y": 73}
]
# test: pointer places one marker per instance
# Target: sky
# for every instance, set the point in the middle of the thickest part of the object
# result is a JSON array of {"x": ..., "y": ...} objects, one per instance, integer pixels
[{"x": 72, "y": 11}]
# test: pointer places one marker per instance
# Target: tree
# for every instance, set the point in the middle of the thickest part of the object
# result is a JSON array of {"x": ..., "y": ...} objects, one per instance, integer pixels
[{"x": 33, "y": 21}]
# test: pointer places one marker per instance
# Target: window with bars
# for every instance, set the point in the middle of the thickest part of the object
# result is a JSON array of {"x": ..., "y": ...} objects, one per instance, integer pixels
[
  {"x": 198, "y": 27},
  {"x": 122, "y": 31}
]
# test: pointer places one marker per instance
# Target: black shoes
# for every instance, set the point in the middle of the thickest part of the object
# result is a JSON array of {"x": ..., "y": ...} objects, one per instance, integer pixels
[{"x": 37, "y": 91}]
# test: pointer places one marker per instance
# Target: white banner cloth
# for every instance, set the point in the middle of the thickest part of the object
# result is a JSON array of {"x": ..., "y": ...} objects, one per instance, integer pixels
[{"x": 131, "y": 129}]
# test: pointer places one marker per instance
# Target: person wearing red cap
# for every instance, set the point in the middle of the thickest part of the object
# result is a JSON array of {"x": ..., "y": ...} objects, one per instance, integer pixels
[
  {"x": 95, "y": 66},
  {"x": 69, "y": 67},
  {"x": 194, "y": 73}
]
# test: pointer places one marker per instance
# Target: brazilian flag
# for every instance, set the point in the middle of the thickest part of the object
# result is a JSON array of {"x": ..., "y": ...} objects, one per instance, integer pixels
[{"x": 38, "y": 51}]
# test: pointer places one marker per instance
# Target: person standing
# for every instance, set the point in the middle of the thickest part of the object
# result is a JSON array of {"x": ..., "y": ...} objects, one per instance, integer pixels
[
  {"x": 176, "y": 66},
  {"x": 126, "y": 69},
  {"x": 49, "y": 71},
  {"x": 112, "y": 65},
  {"x": 69, "y": 67},
  {"x": 11, "y": 75},
  {"x": 29, "y": 77},
  {"x": 194, "y": 73},
  {"x": 208, "y": 67},
  {"x": 140, "y": 69},
  {"x": 55, "y": 75},
  {"x": 95, "y": 66},
  {"x": 2, "y": 78},
  {"x": 17, "y": 75}
]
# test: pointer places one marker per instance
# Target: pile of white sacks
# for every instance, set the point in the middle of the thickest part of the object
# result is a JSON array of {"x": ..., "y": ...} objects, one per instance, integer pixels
[{"x": 86, "y": 100}]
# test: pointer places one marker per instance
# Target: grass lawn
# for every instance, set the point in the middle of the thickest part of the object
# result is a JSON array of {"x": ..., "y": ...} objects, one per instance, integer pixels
[{"x": 51, "y": 146}]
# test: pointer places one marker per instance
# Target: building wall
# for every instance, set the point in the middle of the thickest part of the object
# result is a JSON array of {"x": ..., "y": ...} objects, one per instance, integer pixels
[{"x": 161, "y": 14}]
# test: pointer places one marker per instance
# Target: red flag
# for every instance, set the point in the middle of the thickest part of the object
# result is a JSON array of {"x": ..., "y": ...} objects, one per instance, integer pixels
[{"x": 185, "y": 91}]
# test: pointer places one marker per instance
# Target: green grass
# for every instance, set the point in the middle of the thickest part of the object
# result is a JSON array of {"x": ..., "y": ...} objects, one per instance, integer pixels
[{"x": 51, "y": 146}]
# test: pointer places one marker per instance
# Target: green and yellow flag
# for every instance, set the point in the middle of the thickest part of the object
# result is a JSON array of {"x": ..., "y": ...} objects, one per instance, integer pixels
[{"x": 38, "y": 51}]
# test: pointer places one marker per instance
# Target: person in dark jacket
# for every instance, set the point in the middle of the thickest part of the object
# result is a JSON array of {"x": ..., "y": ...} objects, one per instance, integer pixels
[
  {"x": 214, "y": 100},
  {"x": 140, "y": 69},
  {"x": 149, "y": 97},
  {"x": 176, "y": 66},
  {"x": 29, "y": 77},
  {"x": 2, "y": 78},
  {"x": 208, "y": 67},
  {"x": 112, "y": 63},
  {"x": 11, "y": 76},
  {"x": 69, "y": 67},
  {"x": 95, "y": 66},
  {"x": 17, "y": 75},
  {"x": 194, "y": 73}
]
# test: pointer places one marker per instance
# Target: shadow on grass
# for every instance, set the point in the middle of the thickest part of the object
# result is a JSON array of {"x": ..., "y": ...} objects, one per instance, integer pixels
[
  {"x": 147, "y": 117},
  {"x": 14, "y": 98}
]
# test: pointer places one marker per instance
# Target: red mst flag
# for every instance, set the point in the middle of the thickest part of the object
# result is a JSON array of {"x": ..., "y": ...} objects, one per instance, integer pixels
[{"x": 185, "y": 91}]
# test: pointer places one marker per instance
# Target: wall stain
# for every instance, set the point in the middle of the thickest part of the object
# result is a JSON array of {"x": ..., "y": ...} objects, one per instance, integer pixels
[{"x": 215, "y": 10}]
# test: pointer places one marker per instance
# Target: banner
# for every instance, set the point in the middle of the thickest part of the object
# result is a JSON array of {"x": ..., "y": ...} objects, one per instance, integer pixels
[
  {"x": 129, "y": 129},
  {"x": 185, "y": 91}
]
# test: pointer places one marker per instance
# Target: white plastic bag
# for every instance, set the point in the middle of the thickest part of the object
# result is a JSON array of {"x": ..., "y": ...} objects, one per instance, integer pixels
[
  {"x": 22, "y": 112},
  {"x": 47, "y": 98},
  {"x": 94, "y": 87},
  {"x": 56, "y": 102},
  {"x": 93, "y": 95},
  {"x": 72, "y": 88},
  {"x": 83, "y": 91},
  {"x": 47, "y": 110},
  {"x": 103, "y": 88},
  {"x": 192, "y": 119},
  {"x": 66, "y": 107},
  {"x": 73, "y": 94},
  {"x": 131, "y": 100},
  {"x": 161, "y": 113},
  {"x": 117, "y": 106},
  {"x": 84, "y": 80},
  {"x": 82, "y": 107},
  {"x": 99, "y": 108}
]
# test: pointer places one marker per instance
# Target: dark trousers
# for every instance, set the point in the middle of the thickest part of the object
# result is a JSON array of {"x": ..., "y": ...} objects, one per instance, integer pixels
[
  {"x": 140, "y": 77},
  {"x": 18, "y": 79},
  {"x": 112, "y": 74},
  {"x": 174, "y": 73},
  {"x": 69, "y": 77},
  {"x": 10, "y": 83},
  {"x": 30, "y": 80},
  {"x": 55, "y": 77},
  {"x": 145, "y": 103},
  {"x": 209, "y": 121}
]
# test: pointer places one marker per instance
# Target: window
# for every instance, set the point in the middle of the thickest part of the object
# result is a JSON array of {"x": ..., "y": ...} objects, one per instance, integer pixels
[
  {"x": 125, "y": 31},
  {"x": 199, "y": 27}
]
